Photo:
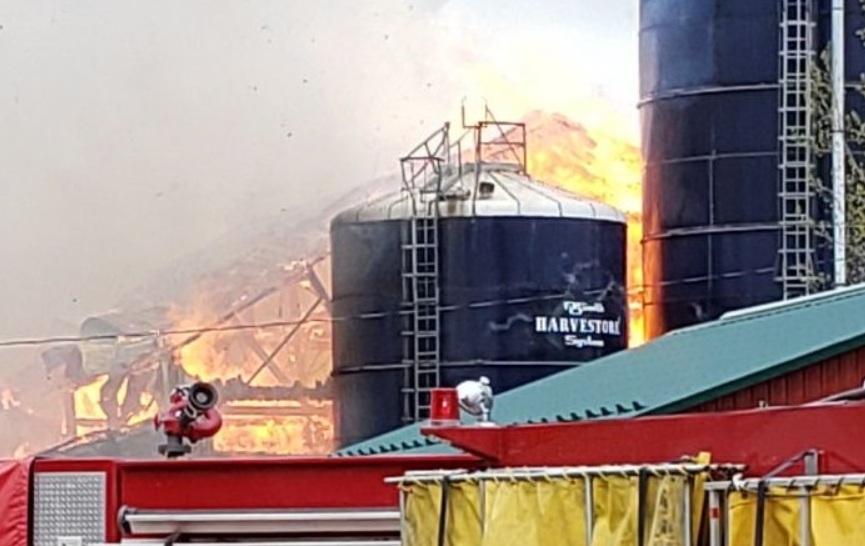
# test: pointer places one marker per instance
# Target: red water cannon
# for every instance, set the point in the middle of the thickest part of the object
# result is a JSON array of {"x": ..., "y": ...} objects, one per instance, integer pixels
[{"x": 191, "y": 416}]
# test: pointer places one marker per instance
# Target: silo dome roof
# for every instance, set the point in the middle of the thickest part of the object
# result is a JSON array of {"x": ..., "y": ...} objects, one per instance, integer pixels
[{"x": 493, "y": 190}]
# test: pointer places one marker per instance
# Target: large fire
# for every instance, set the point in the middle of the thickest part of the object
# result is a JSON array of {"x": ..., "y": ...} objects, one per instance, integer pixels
[
  {"x": 602, "y": 164},
  {"x": 91, "y": 417},
  {"x": 599, "y": 164},
  {"x": 594, "y": 161},
  {"x": 296, "y": 354},
  {"x": 292, "y": 427}
]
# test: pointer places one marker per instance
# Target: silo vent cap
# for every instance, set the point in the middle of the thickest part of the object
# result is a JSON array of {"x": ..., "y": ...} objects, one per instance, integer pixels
[{"x": 485, "y": 190}]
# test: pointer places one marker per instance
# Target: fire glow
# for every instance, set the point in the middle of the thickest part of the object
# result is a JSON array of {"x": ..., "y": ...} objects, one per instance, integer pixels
[
  {"x": 602, "y": 164},
  {"x": 295, "y": 355},
  {"x": 8, "y": 400},
  {"x": 89, "y": 415},
  {"x": 596, "y": 162}
]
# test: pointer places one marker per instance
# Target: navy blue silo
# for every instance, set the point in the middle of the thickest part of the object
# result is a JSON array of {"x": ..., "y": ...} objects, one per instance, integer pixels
[
  {"x": 709, "y": 72},
  {"x": 506, "y": 263}
]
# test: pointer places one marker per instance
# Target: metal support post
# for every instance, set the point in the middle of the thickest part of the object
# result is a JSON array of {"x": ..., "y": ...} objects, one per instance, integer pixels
[
  {"x": 839, "y": 146},
  {"x": 590, "y": 509},
  {"x": 686, "y": 513},
  {"x": 714, "y": 518}
]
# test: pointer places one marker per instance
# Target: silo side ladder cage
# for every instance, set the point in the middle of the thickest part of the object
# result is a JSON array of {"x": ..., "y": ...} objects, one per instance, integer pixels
[
  {"x": 796, "y": 160},
  {"x": 422, "y": 174},
  {"x": 814, "y": 510},
  {"x": 656, "y": 503}
]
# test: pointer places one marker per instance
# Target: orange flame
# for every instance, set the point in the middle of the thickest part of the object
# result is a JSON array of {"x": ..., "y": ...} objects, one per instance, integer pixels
[
  {"x": 86, "y": 399},
  {"x": 91, "y": 417},
  {"x": 303, "y": 434},
  {"x": 22, "y": 451},
  {"x": 285, "y": 356},
  {"x": 602, "y": 164},
  {"x": 8, "y": 400}
]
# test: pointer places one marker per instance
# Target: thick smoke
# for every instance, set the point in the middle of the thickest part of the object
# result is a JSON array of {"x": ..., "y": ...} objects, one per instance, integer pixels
[{"x": 138, "y": 132}]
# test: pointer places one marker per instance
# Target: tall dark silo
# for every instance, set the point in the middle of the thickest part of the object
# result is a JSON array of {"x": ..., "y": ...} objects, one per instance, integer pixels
[
  {"x": 719, "y": 204},
  {"x": 530, "y": 281}
]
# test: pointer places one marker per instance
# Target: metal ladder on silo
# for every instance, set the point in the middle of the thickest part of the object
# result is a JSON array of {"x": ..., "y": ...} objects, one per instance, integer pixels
[
  {"x": 797, "y": 273},
  {"x": 420, "y": 279},
  {"x": 420, "y": 276}
]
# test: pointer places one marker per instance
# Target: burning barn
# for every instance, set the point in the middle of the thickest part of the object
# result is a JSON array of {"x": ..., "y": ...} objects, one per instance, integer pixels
[
  {"x": 259, "y": 323},
  {"x": 273, "y": 379}
]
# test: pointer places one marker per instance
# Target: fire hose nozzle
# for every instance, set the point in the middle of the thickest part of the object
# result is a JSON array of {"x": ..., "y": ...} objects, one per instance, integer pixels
[
  {"x": 191, "y": 416},
  {"x": 203, "y": 396}
]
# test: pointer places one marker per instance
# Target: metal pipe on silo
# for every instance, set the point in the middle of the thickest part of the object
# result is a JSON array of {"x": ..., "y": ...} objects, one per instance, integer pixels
[{"x": 839, "y": 223}]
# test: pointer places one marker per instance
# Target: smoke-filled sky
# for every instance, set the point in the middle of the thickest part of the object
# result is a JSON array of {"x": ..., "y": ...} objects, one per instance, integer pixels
[{"x": 137, "y": 131}]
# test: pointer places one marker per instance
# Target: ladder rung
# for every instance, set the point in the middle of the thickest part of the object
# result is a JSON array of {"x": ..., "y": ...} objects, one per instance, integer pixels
[
  {"x": 421, "y": 300},
  {"x": 412, "y": 245}
]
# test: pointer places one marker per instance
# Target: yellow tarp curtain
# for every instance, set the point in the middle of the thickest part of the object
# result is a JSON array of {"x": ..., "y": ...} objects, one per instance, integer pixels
[
  {"x": 422, "y": 509},
  {"x": 551, "y": 511},
  {"x": 780, "y": 519},
  {"x": 534, "y": 513},
  {"x": 616, "y": 506},
  {"x": 665, "y": 523},
  {"x": 421, "y": 513},
  {"x": 615, "y": 511},
  {"x": 838, "y": 516}
]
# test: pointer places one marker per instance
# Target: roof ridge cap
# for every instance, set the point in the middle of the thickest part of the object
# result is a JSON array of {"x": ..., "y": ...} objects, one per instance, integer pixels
[{"x": 788, "y": 307}]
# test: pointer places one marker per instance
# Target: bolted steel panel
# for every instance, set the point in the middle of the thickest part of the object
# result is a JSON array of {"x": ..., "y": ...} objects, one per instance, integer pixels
[{"x": 69, "y": 504}]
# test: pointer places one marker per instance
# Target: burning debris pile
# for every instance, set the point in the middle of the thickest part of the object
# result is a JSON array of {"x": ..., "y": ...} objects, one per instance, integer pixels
[{"x": 259, "y": 327}]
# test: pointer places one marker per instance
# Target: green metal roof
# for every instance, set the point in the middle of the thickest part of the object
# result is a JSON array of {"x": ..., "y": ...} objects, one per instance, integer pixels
[{"x": 676, "y": 371}]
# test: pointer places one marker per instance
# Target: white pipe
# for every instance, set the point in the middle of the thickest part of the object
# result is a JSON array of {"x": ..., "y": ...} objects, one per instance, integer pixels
[
  {"x": 799, "y": 482},
  {"x": 839, "y": 177},
  {"x": 714, "y": 518},
  {"x": 333, "y": 521},
  {"x": 344, "y": 542},
  {"x": 667, "y": 469}
]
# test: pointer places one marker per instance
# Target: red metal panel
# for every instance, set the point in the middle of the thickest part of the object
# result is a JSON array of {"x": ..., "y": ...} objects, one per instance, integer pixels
[
  {"x": 271, "y": 483},
  {"x": 831, "y": 376},
  {"x": 14, "y": 499},
  {"x": 325, "y": 482},
  {"x": 763, "y": 439}
]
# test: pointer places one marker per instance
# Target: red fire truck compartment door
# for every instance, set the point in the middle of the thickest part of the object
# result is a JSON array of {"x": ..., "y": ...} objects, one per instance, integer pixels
[{"x": 14, "y": 492}]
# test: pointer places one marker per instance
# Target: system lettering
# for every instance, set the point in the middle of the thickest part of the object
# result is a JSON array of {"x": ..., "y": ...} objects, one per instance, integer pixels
[
  {"x": 577, "y": 329},
  {"x": 570, "y": 325}
]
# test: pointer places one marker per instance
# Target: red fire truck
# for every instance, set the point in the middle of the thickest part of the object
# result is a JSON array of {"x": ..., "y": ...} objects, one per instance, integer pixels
[{"x": 809, "y": 452}]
